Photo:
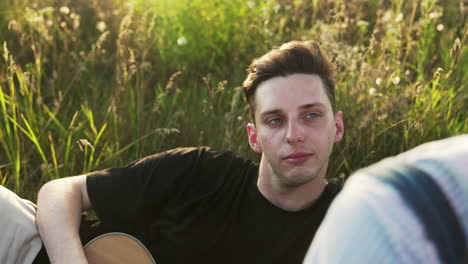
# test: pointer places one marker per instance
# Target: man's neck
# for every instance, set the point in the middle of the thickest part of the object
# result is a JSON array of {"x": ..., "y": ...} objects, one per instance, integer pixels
[{"x": 290, "y": 198}]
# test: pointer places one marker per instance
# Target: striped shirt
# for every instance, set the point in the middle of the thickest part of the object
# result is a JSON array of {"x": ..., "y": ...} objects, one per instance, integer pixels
[{"x": 369, "y": 222}]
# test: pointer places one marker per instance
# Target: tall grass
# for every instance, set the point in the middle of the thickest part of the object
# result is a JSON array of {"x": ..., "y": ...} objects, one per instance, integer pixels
[{"x": 86, "y": 85}]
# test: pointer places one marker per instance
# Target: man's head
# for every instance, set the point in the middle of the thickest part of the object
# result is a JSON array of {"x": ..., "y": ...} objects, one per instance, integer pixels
[
  {"x": 292, "y": 57},
  {"x": 294, "y": 121}
]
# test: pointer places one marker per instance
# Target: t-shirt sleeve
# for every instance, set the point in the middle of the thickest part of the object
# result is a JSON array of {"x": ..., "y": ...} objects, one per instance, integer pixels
[{"x": 126, "y": 195}]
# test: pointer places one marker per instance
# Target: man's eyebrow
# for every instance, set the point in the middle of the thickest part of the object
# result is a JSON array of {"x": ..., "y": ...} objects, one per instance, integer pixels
[
  {"x": 278, "y": 111},
  {"x": 318, "y": 104},
  {"x": 271, "y": 112}
]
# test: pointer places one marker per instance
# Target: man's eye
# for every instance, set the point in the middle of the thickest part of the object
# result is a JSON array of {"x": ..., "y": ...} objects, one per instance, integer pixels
[
  {"x": 274, "y": 121},
  {"x": 313, "y": 115}
]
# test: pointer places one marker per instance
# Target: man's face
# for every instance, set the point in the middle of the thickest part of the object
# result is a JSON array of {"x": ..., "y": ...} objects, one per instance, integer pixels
[{"x": 295, "y": 128}]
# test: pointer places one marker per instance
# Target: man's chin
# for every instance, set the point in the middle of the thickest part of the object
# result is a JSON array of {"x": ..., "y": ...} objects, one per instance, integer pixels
[{"x": 298, "y": 179}]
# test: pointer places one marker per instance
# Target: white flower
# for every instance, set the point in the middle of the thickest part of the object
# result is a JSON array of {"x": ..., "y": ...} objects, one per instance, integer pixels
[
  {"x": 276, "y": 7},
  {"x": 362, "y": 23},
  {"x": 399, "y": 17},
  {"x": 64, "y": 10},
  {"x": 49, "y": 23},
  {"x": 396, "y": 80},
  {"x": 36, "y": 19},
  {"x": 101, "y": 26},
  {"x": 378, "y": 81},
  {"x": 48, "y": 9},
  {"x": 251, "y": 4},
  {"x": 382, "y": 117},
  {"x": 407, "y": 72},
  {"x": 391, "y": 28},
  {"x": 387, "y": 16},
  {"x": 440, "y": 27},
  {"x": 372, "y": 91},
  {"x": 72, "y": 15},
  {"x": 287, "y": 7},
  {"x": 181, "y": 41},
  {"x": 435, "y": 15},
  {"x": 63, "y": 24}
]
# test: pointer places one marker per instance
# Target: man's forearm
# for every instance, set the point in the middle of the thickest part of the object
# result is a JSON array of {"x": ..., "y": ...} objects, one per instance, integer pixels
[{"x": 59, "y": 208}]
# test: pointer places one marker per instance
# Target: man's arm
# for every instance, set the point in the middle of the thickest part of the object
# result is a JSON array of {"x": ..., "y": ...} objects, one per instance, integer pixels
[{"x": 59, "y": 206}]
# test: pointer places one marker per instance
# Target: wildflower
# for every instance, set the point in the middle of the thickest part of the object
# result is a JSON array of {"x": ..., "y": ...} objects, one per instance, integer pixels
[
  {"x": 251, "y": 4},
  {"x": 64, "y": 10},
  {"x": 35, "y": 19},
  {"x": 372, "y": 91},
  {"x": 181, "y": 41},
  {"x": 362, "y": 23},
  {"x": 76, "y": 22},
  {"x": 276, "y": 7},
  {"x": 48, "y": 9},
  {"x": 407, "y": 72},
  {"x": 287, "y": 7},
  {"x": 391, "y": 29},
  {"x": 63, "y": 24},
  {"x": 49, "y": 22},
  {"x": 435, "y": 15},
  {"x": 72, "y": 15},
  {"x": 12, "y": 24},
  {"x": 399, "y": 17},
  {"x": 382, "y": 117},
  {"x": 101, "y": 26},
  {"x": 264, "y": 9},
  {"x": 440, "y": 27},
  {"x": 387, "y": 16},
  {"x": 396, "y": 80},
  {"x": 425, "y": 3},
  {"x": 378, "y": 81}
]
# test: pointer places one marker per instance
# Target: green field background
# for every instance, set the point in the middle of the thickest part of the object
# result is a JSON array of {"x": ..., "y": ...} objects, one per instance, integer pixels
[{"x": 89, "y": 84}]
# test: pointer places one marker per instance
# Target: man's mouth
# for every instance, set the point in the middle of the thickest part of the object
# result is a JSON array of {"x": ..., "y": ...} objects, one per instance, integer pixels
[{"x": 297, "y": 157}]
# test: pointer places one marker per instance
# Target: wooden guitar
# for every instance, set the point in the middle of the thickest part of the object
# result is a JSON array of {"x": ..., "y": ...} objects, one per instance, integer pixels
[{"x": 117, "y": 248}]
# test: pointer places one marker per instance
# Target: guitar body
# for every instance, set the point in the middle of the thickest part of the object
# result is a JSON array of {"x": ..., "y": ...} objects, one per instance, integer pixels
[{"x": 117, "y": 248}]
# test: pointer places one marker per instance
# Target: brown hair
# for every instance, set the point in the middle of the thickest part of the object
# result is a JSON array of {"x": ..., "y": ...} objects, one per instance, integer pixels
[{"x": 292, "y": 57}]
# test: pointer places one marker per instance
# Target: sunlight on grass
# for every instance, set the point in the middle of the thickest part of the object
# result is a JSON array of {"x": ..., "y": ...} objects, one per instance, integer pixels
[{"x": 86, "y": 85}]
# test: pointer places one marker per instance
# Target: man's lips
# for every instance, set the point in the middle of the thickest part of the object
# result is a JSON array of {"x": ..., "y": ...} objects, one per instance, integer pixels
[{"x": 297, "y": 157}]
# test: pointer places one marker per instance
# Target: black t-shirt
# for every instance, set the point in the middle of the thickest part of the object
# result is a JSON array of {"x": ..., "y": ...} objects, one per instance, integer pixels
[{"x": 200, "y": 205}]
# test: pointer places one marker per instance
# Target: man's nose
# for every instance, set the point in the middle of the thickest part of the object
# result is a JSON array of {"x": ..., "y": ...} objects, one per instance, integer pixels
[{"x": 294, "y": 133}]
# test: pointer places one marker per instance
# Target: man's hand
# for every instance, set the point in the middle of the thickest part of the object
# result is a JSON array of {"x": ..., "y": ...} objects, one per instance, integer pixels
[{"x": 59, "y": 206}]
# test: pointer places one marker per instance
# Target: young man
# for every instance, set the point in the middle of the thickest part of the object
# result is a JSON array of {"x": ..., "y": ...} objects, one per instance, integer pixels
[{"x": 207, "y": 206}]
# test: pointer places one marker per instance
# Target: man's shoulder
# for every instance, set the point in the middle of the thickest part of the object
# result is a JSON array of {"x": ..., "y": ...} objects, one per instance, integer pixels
[
  {"x": 198, "y": 152},
  {"x": 191, "y": 149}
]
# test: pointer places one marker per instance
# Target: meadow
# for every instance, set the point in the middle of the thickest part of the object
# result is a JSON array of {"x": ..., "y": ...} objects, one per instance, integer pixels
[{"x": 88, "y": 84}]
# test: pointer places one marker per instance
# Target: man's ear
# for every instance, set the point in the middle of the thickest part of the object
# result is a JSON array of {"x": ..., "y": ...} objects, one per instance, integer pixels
[
  {"x": 339, "y": 126},
  {"x": 252, "y": 134}
]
